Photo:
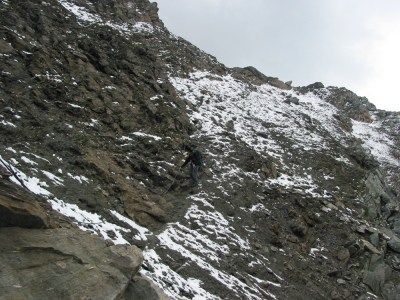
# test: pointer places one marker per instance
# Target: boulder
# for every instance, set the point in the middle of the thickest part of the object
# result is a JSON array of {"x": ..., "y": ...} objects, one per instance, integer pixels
[
  {"x": 391, "y": 291},
  {"x": 374, "y": 239},
  {"x": 353, "y": 106},
  {"x": 379, "y": 198},
  {"x": 292, "y": 100},
  {"x": 256, "y": 77},
  {"x": 19, "y": 208},
  {"x": 394, "y": 244},
  {"x": 268, "y": 170},
  {"x": 363, "y": 157},
  {"x": 354, "y": 248},
  {"x": 344, "y": 122},
  {"x": 315, "y": 85},
  {"x": 376, "y": 274},
  {"x": 368, "y": 246},
  {"x": 395, "y": 224},
  {"x": 64, "y": 264},
  {"x": 343, "y": 254},
  {"x": 299, "y": 228}
]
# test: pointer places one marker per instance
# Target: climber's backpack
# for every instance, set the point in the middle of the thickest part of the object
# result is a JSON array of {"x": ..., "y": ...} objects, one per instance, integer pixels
[{"x": 197, "y": 158}]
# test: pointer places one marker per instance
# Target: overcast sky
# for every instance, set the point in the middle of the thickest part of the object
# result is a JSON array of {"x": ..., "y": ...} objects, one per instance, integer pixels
[{"x": 350, "y": 43}]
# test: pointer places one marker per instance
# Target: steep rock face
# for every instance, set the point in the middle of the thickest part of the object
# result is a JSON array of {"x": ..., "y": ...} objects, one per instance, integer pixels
[
  {"x": 298, "y": 197},
  {"x": 64, "y": 264},
  {"x": 254, "y": 76},
  {"x": 84, "y": 92},
  {"x": 60, "y": 261},
  {"x": 20, "y": 208},
  {"x": 354, "y": 107},
  {"x": 348, "y": 103}
]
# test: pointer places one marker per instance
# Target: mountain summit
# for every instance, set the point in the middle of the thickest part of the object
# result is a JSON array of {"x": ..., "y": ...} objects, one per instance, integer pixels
[{"x": 298, "y": 197}]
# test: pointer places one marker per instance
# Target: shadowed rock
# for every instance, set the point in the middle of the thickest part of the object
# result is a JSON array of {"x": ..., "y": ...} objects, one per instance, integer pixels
[{"x": 19, "y": 208}]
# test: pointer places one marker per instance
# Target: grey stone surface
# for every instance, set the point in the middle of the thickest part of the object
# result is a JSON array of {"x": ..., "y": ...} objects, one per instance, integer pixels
[{"x": 64, "y": 264}]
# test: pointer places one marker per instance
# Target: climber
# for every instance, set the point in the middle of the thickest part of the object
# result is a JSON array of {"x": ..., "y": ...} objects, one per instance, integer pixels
[{"x": 195, "y": 158}]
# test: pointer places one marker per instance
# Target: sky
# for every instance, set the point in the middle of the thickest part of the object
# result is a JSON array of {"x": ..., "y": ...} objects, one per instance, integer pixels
[{"x": 346, "y": 43}]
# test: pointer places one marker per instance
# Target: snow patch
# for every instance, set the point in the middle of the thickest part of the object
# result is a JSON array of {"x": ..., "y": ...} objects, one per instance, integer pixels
[
  {"x": 171, "y": 282},
  {"x": 154, "y": 137},
  {"x": 86, "y": 17},
  {"x": 375, "y": 141},
  {"x": 143, "y": 232},
  {"x": 79, "y": 178},
  {"x": 90, "y": 221}
]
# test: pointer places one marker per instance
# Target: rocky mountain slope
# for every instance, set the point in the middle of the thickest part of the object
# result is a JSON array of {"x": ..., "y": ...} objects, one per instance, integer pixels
[{"x": 298, "y": 198}]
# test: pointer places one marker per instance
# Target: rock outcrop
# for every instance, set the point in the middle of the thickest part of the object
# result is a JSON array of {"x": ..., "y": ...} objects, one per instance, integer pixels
[
  {"x": 254, "y": 76},
  {"x": 64, "y": 264},
  {"x": 20, "y": 208},
  {"x": 43, "y": 256}
]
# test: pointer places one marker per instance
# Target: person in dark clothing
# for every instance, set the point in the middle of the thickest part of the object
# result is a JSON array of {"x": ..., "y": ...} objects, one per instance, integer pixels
[{"x": 195, "y": 159}]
